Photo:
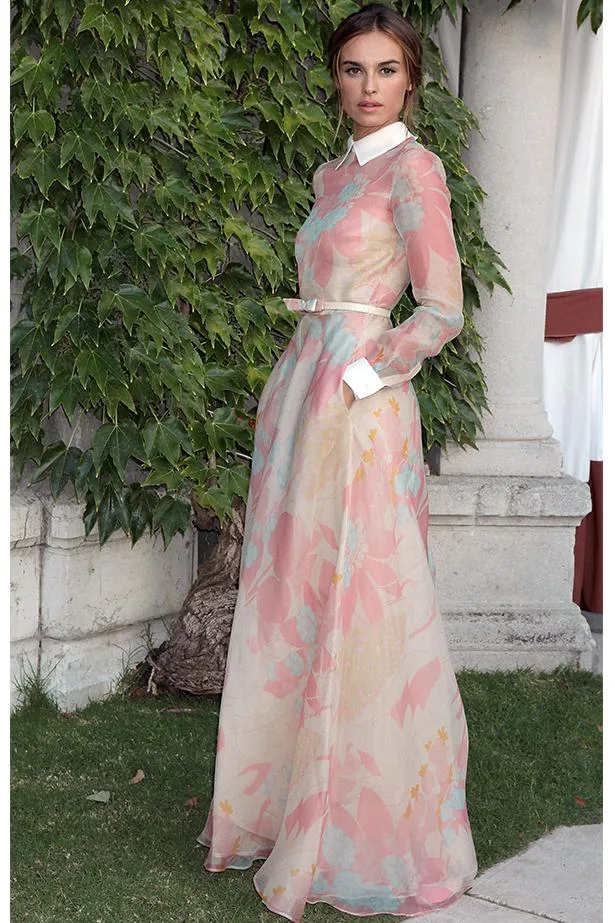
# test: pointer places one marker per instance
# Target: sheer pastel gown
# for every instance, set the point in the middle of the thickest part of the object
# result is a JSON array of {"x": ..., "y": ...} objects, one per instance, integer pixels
[{"x": 343, "y": 745}]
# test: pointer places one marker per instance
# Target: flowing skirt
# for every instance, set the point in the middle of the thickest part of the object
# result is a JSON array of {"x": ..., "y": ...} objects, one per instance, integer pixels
[{"x": 342, "y": 746}]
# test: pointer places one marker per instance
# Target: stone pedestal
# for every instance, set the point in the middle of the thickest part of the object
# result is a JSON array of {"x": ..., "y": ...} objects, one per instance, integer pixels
[
  {"x": 80, "y": 614},
  {"x": 503, "y": 550}
]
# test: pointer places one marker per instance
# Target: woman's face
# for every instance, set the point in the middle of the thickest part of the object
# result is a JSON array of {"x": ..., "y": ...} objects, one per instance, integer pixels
[{"x": 372, "y": 81}]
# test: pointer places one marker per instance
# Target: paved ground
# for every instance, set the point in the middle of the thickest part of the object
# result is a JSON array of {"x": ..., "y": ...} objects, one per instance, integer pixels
[{"x": 557, "y": 878}]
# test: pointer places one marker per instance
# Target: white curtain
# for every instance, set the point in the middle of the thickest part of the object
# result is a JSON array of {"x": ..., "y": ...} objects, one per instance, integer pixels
[
  {"x": 573, "y": 398},
  {"x": 575, "y": 257},
  {"x": 573, "y": 371}
]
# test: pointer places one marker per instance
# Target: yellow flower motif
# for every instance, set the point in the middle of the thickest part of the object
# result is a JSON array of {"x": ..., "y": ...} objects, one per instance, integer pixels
[
  {"x": 226, "y": 807},
  {"x": 423, "y": 770},
  {"x": 442, "y": 734},
  {"x": 279, "y": 889},
  {"x": 237, "y": 843},
  {"x": 414, "y": 791},
  {"x": 368, "y": 456},
  {"x": 428, "y": 745},
  {"x": 376, "y": 653},
  {"x": 377, "y": 412},
  {"x": 360, "y": 474},
  {"x": 380, "y": 356},
  {"x": 408, "y": 811},
  {"x": 336, "y": 578},
  {"x": 321, "y": 452},
  {"x": 393, "y": 405},
  {"x": 372, "y": 433},
  {"x": 404, "y": 447},
  {"x": 294, "y": 872}
]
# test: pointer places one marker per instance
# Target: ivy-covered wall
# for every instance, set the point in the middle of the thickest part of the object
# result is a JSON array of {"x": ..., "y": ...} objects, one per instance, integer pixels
[{"x": 162, "y": 157}]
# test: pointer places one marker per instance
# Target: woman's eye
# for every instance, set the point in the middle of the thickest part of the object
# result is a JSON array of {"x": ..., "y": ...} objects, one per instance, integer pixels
[{"x": 353, "y": 71}]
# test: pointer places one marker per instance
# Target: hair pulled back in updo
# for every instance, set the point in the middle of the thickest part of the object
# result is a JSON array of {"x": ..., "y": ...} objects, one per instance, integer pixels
[{"x": 378, "y": 18}]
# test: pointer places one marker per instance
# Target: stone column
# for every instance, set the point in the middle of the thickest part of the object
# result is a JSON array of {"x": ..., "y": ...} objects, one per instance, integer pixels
[
  {"x": 510, "y": 79},
  {"x": 503, "y": 518}
]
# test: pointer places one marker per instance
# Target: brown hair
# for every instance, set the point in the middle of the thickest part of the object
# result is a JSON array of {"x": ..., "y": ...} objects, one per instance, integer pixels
[{"x": 377, "y": 18}]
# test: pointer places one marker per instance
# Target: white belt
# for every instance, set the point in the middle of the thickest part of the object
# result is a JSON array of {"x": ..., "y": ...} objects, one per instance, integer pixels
[{"x": 318, "y": 306}]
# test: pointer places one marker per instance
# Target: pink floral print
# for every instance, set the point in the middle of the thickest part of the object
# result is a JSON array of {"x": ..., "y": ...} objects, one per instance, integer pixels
[{"x": 343, "y": 745}]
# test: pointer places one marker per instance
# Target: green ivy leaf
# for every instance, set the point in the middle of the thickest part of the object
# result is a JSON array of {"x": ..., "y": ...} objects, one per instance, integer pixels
[
  {"x": 65, "y": 13},
  {"x": 93, "y": 90},
  {"x": 43, "y": 165},
  {"x": 216, "y": 499},
  {"x": 166, "y": 438},
  {"x": 20, "y": 332},
  {"x": 110, "y": 513},
  {"x": 41, "y": 226},
  {"x": 222, "y": 431},
  {"x": 234, "y": 481},
  {"x": 128, "y": 300},
  {"x": 164, "y": 473},
  {"x": 236, "y": 30},
  {"x": 85, "y": 476},
  {"x": 117, "y": 441},
  {"x": 117, "y": 393},
  {"x": 36, "y": 123},
  {"x": 84, "y": 266},
  {"x": 90, "y": 514},
  {"x": 171, "y": 516},
  {"x": 101, "y": 22},
  {"x": 27, "y": 65},
  {"x": 67, "y": 316},
  {"x": 59, "y": 464},
  {"x": 141, "y": 503},
  {"x": 99, "y": 365},
  {"x": 154, "y": 239},
  {"x": 66, "y": 392},
  {"x": 86, "y": 146},
  {"x": 108, "y": 200},
  {"x": 21, "y": 264},
  {"x": 221, "y": 382}
]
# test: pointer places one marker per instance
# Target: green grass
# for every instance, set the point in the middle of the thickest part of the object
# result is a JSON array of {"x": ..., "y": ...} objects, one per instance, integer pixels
[{"x": 535, "y": 747}]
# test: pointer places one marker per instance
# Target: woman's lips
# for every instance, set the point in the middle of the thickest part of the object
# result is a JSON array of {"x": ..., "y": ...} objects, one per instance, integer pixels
[{"x": 370, "y": 105}]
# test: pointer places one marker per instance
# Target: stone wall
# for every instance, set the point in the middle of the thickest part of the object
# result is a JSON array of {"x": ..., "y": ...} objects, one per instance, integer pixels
[{"x": 80, "y": 613}]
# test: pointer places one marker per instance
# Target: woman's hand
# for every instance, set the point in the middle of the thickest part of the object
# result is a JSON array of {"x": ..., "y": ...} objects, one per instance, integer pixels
[{"x": 348, "y": 395}]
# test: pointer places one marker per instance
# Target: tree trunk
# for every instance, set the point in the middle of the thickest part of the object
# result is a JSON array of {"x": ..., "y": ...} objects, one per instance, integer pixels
[{"x": 195, "y": 656}]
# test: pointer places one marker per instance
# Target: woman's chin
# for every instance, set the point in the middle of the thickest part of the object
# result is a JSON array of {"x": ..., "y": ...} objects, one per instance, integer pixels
[{"x": 371, "y": 120}]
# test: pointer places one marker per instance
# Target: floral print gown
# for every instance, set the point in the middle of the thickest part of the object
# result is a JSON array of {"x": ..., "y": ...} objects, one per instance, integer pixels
[{"x": 343, "y": 746}]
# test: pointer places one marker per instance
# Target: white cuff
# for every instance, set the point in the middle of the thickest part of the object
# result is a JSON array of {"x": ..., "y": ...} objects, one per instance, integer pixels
[{"x": 362, "y": 379}]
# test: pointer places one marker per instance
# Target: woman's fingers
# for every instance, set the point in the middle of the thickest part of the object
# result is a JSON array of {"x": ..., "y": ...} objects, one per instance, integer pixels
[{"x": 348, "y": 395}]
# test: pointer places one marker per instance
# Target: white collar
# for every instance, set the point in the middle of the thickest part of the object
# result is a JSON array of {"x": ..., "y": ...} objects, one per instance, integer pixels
[{"x": 377, "y": 143}]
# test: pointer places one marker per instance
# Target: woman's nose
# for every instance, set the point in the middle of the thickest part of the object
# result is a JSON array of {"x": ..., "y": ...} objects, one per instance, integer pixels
[{"x": 369, "y": 84}]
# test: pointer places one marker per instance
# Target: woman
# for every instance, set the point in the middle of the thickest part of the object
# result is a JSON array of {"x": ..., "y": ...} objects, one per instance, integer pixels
[{"x": 342, "y": 747}]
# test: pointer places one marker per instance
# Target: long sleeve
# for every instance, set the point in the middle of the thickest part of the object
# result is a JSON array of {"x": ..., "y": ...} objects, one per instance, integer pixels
[{"x": 420, "y": 203}]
